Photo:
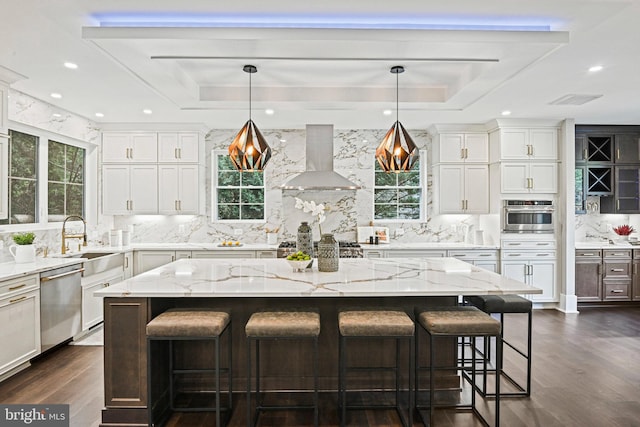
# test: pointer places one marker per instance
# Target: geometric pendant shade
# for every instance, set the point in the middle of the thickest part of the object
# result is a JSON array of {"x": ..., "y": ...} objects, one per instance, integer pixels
[
  {"x": 249, "y": 151},
  {"x": 397, "y": 152}
]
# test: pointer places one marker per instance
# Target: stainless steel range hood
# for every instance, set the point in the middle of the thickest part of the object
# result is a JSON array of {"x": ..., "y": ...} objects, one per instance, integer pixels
[{"x": 319, "y": 174}]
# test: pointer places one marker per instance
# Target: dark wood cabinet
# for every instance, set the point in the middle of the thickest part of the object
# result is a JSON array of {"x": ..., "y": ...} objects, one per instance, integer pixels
[
  {"x": 627, "y": 148},
  {"x": 626, "y": 195},
  {"x": 589, "y": 275},
  {"x": 616, "y": 274},
  {"x": 635, "y": 272}
]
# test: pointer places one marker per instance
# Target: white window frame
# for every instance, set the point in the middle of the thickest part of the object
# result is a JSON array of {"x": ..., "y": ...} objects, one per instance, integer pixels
[
  {"x": 90, "y": 178},
  {"x": 214, "y": 195},
  {"x": 423, "y": 194}
]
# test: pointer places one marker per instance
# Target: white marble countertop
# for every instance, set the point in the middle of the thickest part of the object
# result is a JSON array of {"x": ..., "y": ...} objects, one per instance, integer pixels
[
  {"x": 355, "y": 278},
  {"x": 605, "y": 245},
  {"x": 10, "y": 270}
]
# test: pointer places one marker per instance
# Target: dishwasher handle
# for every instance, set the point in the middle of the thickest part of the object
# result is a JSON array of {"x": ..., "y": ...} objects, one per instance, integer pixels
[{"x": 57, "y": 276}]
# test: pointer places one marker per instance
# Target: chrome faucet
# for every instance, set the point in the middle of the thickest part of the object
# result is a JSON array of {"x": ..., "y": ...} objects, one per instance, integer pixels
[{"x": 66, "y": 236}]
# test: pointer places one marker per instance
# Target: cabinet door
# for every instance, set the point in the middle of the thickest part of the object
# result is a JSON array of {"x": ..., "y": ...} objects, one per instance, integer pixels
[
  {"x": 451, "y": 148},
  {"x": 91, "y": 305},
  {"x": 516, "y": 269},
  {"x": 588, "y": 280},
  {"x": 188, "y": 188},
  {"x": 514, "y": 178},
  {"x": 144, "y": 189},
  {"x": 544, "y": 177},
  {"x": 544, "y": 144},
  {"x": 189, "y": 147},
  {"x": 144, "y": 147},
  {"x": 116, "y": 147},
  {"x": 168, "y": 147},
  {"x": 169, "y": 195},
  {"x": 115, "y": 190},
  {"x": 451, "y": 189},
  {"x": 128, "y": 265},
  {"x": 543, "y": 276},
  {"x": 635, "y": 289},
  {"x": 627, "y": 189},
  {"x": 4, "y": 177},
  {"x": 148, "y": 260},
  {"x": 627, "y": 148},
  {"x": 476, "y": 147},
  {"x": 476, "y": 189},
  {"x": 487, "y": 265},
  {"x": 20, "y": 331},
  {"x": 581, "y": 148},
  {"x": 514, "y": 144}
]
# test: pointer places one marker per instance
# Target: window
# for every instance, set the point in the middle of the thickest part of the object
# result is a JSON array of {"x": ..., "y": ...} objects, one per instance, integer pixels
[
  {"x": 30, "y": 162},
  {"x": 23, "y": 177},
  {"x": 66, "y": 181},
  {"x": 398, "y": 196},
  {"x": 239, "y": 196}
]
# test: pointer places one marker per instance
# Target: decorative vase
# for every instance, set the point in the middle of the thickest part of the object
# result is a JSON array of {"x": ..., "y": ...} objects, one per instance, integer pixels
[
  {"x": 23, "y": 253},
  {"x": 328, "y": 253},
  {"x": 304, "y": 242}
]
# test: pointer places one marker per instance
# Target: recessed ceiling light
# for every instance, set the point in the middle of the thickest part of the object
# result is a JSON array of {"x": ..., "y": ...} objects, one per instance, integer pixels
[
  {"x": 387, "y": 112},
  {"x": 364, "y": 141},
  {"x": 71, "y": 65},
  {"x": 269, "y": 112},
  {"x": 56, "y": 115},
  {"x": 56, "y": 95},
  {"x": 506, "y": 113},
  {"x": 595, "y": 68},
  {"x": 147, "y": 111},
  {"x": 283, "y": 140},
  {"x": 99, "y": 115}
]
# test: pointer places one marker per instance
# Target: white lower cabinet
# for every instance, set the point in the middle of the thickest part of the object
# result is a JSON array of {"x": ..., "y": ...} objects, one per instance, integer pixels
[
  {"x": 128, "y": 265},
  {"x": 20, "y": 320},
  {"x": 538, "y": 269},
  {"x": 486, "y": 259},
  {"x": 148, "y": 260},
  {"x": 92, "y": 308}
]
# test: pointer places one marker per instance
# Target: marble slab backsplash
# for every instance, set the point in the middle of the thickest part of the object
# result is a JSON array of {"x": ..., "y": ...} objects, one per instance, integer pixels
[
  {"x": 594, "y": 226},
  {"x": 354, "y": 158}
]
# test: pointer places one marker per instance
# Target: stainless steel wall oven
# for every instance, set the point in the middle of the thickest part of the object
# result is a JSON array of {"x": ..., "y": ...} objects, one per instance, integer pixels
[{"x": 528, "y": 216}]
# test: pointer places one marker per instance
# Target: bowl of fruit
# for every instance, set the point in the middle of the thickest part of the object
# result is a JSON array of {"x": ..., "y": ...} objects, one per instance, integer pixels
[{"x": 299, "y": 261}]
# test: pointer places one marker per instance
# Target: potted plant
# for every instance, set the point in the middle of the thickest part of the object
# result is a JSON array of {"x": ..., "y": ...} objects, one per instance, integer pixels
[
  {"x": 624, "y": 231},
  {"x": 23, "y": 251}
]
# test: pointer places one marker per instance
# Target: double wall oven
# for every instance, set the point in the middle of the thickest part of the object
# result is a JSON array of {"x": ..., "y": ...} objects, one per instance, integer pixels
[{"x": 528, "y": 216}]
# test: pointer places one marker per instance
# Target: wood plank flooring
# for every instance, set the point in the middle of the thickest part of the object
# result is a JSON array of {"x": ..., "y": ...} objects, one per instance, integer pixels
[{"x": 586, "y": 372}]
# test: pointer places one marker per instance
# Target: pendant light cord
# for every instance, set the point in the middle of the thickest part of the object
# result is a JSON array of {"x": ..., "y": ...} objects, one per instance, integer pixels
[
  {"x": 397, "y": 96},
  {"x": 250, "y": 96}
]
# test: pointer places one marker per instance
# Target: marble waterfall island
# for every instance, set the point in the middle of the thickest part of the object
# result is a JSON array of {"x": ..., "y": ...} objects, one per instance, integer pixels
[{"x": 244, "y": 286}]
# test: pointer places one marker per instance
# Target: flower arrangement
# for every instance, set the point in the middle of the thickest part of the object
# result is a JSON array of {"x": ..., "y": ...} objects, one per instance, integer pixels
[
  {"x": 623, "y": 230},
  {"x": 315, "y": 209}
]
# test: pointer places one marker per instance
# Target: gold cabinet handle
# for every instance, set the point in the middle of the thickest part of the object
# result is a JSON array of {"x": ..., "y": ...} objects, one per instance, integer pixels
[
  {"x": 585, "y": 153},
  {"x": 618, "y": 204},
  {"x": 13, "y": 301},
  {"x": 179, "y": 153},
  {"x": 126, "y": 262},
  {"x": 17, "y": 287},
  {"x": 618, "y": 154},
  {"x": 179, "y": 205},
  {"x": 462, "y": 153},
  {"x": 462, "y": 204}
]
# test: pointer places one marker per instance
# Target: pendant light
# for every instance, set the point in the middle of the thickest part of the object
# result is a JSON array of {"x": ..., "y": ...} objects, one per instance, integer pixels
[
  {"x": 397, "y": 152},
  {"x": 249, "y": 150}
]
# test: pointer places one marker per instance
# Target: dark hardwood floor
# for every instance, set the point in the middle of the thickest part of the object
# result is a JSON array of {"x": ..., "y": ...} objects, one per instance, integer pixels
[{"x": 586, "y": 372}]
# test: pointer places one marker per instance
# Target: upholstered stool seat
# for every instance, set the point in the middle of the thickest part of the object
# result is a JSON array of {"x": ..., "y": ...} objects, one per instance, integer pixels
[
  {"x": 374, "y": 324},
  {"x": 280, "y": 325},
  {"x": 506, "y": 304},
  {"x": 454, "y": 322},
  {"x": 188, "y": 324}
]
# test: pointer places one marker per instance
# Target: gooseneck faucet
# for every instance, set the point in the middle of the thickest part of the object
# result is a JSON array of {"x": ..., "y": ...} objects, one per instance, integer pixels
[{"x": 66, "y": 236}]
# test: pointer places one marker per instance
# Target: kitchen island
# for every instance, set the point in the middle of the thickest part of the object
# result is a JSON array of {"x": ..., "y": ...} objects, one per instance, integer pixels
[{"x": 243, "y": 286}]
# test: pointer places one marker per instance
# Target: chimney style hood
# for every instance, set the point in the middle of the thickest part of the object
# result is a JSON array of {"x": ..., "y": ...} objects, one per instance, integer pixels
[{"x": 319, "y": 174}]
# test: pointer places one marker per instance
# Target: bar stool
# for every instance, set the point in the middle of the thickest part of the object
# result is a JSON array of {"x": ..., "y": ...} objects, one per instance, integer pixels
[
  {"x": 186, "y": 324},
  {"x": 280, "y": 325},
  {"x": 506, "y": 304},
  {"x": 375, "y": 324},
  {"x": 454, "y": 322}
]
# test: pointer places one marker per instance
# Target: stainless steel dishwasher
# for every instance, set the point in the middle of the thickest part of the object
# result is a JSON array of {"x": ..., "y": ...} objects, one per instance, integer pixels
[{"x": 60, "y": 305}]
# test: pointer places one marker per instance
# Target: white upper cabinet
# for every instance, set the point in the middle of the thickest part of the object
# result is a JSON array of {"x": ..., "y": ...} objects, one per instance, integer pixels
[
  {"x": 181, "y": 147},
  {"x": 529, "y": 177},
  {"x": 4, "y": 119},
  {"x": 179, "y": 189},
  {"x": 461, "y": 148},
  {"x": 129, "y": 147},
  {"x": 129, "y": 189},
  {"x": 528, "y": 144},
  {"x": 463, "y": 189}
]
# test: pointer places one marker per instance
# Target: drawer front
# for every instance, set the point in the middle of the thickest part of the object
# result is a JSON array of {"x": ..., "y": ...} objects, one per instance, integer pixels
[
  {"x": 528, "y": 244},
  {"x": 617, "y": 253},
  {"x": 617, "y": 269},
  {"x": 616, "y": 291},
  {"x": 528, "y": 255},
  {"x": 20, "y": 284},
  {"x": 636, "y": 254},
  {"x": 474, "y": 255},
  {"x": 588, "y": 253}
]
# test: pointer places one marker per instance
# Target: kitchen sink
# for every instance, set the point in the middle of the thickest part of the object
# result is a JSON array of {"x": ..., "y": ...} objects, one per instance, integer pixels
[{"x": 99, "y": 262}]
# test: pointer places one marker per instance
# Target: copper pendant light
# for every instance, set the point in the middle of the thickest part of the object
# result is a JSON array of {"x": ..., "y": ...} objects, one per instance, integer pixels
[
  {"x": 249, "y": 150},
  {"x": 397, "y": 152}
]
